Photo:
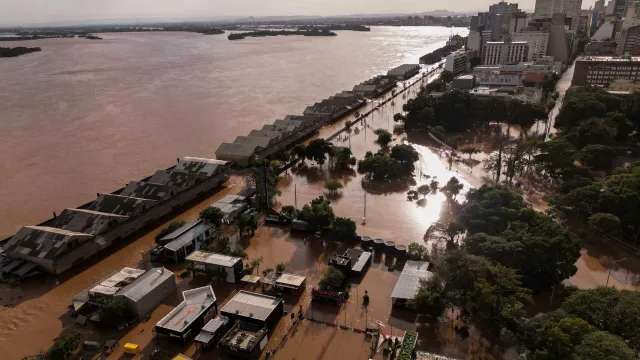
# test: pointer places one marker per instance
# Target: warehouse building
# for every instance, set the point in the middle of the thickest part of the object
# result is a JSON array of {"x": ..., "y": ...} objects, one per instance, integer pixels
[
  {"x": 404, "y": 72},
  {"x": 141, "y": 290},
  {"x": 212, "y": 332},
  {"x": 189, "y": 317}
]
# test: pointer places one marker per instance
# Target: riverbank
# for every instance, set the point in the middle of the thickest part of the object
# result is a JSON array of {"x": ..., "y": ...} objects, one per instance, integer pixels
[
  {"x": 264, "y": 33},
  {"x": 17, "y": 51}
]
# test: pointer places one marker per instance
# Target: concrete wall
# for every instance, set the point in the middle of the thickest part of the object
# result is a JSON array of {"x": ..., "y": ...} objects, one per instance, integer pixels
[{"x": 154, "y": 298}]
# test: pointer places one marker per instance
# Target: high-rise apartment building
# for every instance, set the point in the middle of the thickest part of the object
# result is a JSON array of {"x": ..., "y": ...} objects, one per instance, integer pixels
[
  {"x": 544, "y": 9},
  {"x": 537, "y": 40},
  {"x": 500, "y": 52},
  {"x": 599, "y": 6}
]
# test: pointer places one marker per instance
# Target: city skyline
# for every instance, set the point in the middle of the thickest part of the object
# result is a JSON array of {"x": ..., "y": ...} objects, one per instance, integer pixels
[{"x": 44, "y": 11}]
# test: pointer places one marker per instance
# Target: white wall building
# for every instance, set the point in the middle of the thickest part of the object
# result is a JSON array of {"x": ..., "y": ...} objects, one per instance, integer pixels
[
  {"x": 474, "y": 41},
  {"x": 537, "y": 41},
  {"x": 510, "y": 75},
  {"x": 500, "y": 52}
]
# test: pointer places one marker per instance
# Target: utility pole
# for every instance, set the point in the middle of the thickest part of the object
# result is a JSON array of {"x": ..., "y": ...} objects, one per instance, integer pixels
[
  {"x": 295, "y": 195},
  {"x": 266, "y": 193},
  {"x": 364, "y": 217}
]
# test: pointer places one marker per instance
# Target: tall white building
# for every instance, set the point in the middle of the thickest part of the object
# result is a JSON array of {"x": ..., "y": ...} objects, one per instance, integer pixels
[
  {"x": 599, "y": 6},
  {"x": 500, "y": 52},
  {"x": 545, "y": 8},
  {"x": 537, "y": 40},
  {"x": 474, "y": 41}
]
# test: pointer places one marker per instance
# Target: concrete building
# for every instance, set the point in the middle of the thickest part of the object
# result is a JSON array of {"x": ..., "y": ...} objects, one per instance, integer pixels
[
  {"x": 560, "y": 43},
  {"x": 187, "y": 319},
  {"x": 475, "y": 41},
  {"x": 524, "y": 74},
  {"x": 629, "y": 41},
  {"x": 537, "y": 40},
  {"x": 604, "y": 32},
  {"x": 284, "y": 282},
  {"x": 404, "y": 72},
  {"x": 231, "y": 206},
  {"x": 142, "y": 291},
  {"x": 175, "y": 247},
  {"x": 599, "y": 48},
  {"x": 500, "y": 52},
  {"x": 458, "y": 62},
  {"x": 545, "y": 9},
  {"x": 149, "y": 191},
  {"x": 244, "y": 341},
  {"x": 599, "y": 6},
  {"x": 604, "y": 70},
  {"x": 473, "y": 23},
  {"x": 409, "y": 281},
  {"x": 212, "y": 332},
  {"x": 70, "y": 239},
  {"x": 519, "y": 20},
  {"x": 227, "y": 267},
  {"x": 354, "y": 261},
  {"x": 463, "y": 82}
]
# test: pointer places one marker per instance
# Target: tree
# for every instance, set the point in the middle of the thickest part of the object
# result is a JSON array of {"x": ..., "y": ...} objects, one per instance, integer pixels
[
  {"x": 381, "y": 167},
  {"x": 333, "y": 279},
  {"x": 219, "y": 244},
  {"x": 342, "y": 156},
  {"x": 436, "y": 86},
  {"x": 406, "y": 155},
  {"x": 430, "y": 299},
  {"x": 592, "y": 131},
  {"x": 555, "y": 157},
  {"x": 289, "y": 211},
  {"x": 444, "y": 231},
  {"x": 608, "y": 309},
  {"x": 549, "y": 82},
  {"x": 446, "y": 76},
  {"x": 212, "y": 215},
  {"x": 300, "y": 150},
  {"x": 317, "y": 150},
  {"x": 173, "y": 226},
  {"x": 262, "y": 175},
  {"x": 598, "y": 156},
  {"x": 333, "y": 185},
  {"x": 267, "y": 271},
  {"x": 344, "y": 229},
  {"x": 452, "y": 188},
  {"x": 602, "y": 345},
  {"x": 255, "y": 263},
  {"x": 384, "y": 137},
  {"x": 280, "y": 268},
  {"x": 434, "y": 185},
  {"x": 399, "y": 118},
  {"x": 318, "y": 214},
  {"x": 416, "y": 251},
  {"x": 65, "y": 345},
  {"x": 475, "y": 61},
  {"x": 561, "y": 338},
  {"x": 239, "y": 253},
  {"x": 606, "y": 222},
  {"x": 116, "y": 313},
  {"x": 246, "y": 224},
  {"x": 424, "y": 190},
  {"x": 470, "y": 150}
]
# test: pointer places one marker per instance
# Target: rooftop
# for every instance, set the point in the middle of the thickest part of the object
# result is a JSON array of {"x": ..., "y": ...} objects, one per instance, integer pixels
[
  {"x": 254, "y": 141},
  {"x": 86, "y": 221},
  {"x": 174, "y": 178},
  {"x": 196, "y": 301},
  {"x": 608, "y": 58},
  {"x": 235, "y": 149},
  {"x": 465, "y": 77},
  {"x": 120, "y": 205},
  {"x": 145, "y": 283},
  {"x": 402, "y": 69},
  {"x": 182, "y": 236},
  {"x": 230, "y": 204},
  {"x": 409, "y": 281},
  {"x": 213, "y": 258},
  {"x": 200, "y": 166},
  {"x": 251, "y": 305},
  {"x": 290, "y": 280},
  {"x": 45, "y": 242},
  {"x": 115, "y": 282},
  {"x": 151, "y": 191},
  {"x": 211, "y": 328},
  {"x": 244, "y": 337}
]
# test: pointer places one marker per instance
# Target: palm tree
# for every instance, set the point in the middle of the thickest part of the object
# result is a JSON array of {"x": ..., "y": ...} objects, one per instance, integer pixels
[{"x": 255, "y": 263}]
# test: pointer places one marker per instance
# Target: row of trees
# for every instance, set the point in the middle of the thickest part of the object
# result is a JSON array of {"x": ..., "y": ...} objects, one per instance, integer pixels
[
  {"x": 458, "y": 111},
  {"x": 320, "y": 216}
]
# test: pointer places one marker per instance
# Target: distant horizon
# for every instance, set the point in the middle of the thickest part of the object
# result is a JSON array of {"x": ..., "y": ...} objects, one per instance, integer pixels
[{"x": 86, "y": 12}]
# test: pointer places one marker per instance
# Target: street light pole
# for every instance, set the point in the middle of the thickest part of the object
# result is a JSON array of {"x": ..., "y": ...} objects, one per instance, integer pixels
[{"x": 609, "y": 274}]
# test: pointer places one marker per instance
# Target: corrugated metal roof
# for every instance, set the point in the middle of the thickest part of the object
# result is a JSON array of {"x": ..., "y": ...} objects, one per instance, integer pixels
[
  {"x": 364, "y": 258},
  {"x": 213, "y": 258},
  {"x": 291, "y": 280},
  {"x": 146, "y": 283},
  {"x": 409, "y": 281},
  {"x": 251, "y": 305}
]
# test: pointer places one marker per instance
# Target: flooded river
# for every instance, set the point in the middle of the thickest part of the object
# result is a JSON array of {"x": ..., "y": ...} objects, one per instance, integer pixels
[{"x": 86, "y": 117}]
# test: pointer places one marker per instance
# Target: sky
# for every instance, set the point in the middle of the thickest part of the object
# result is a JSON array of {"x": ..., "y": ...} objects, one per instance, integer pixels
[{"x": 16, "y": 12}]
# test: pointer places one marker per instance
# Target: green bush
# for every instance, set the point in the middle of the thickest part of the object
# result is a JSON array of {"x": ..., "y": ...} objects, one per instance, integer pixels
[{"x": 408, "y": 344}]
